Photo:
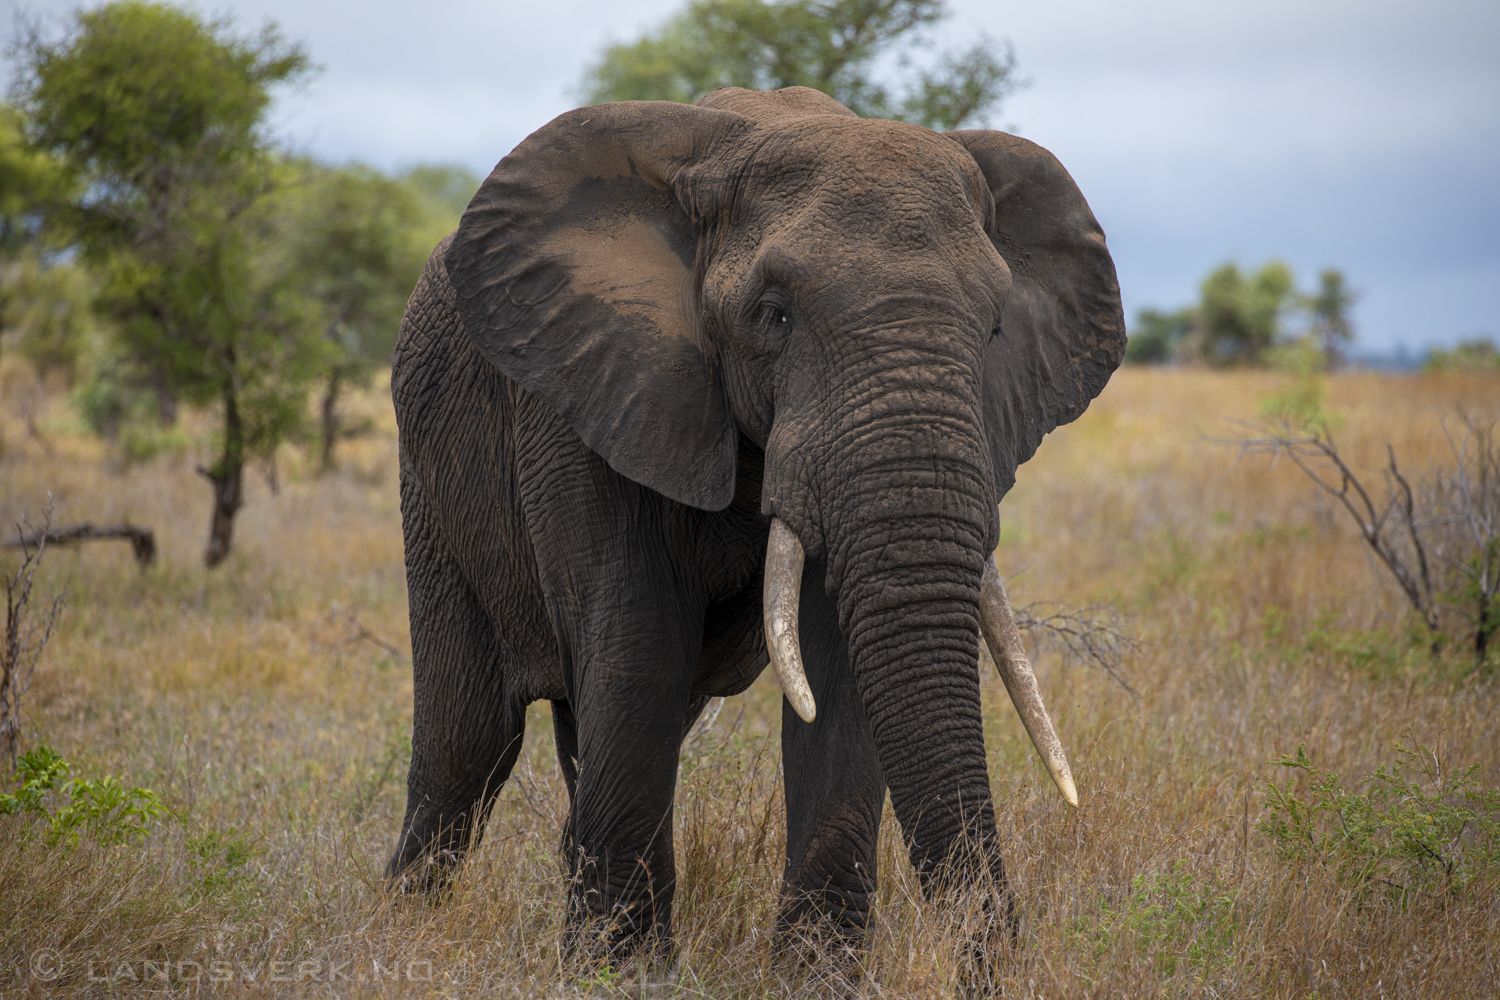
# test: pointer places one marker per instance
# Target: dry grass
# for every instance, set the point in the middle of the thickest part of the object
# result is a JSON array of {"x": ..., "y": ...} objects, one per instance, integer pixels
[{"x": 247, "y": 699}]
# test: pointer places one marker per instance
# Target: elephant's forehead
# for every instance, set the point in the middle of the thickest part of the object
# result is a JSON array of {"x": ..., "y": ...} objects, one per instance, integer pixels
[
  {"x": 887, "y": 183},
  {"x": 862, "y": 164}
]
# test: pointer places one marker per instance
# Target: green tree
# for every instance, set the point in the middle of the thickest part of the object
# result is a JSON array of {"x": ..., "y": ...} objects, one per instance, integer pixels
[
  {"x": 29, "y": 180},
  {"x": 1251, "y": 319},
  {"x": 1239, "y": 317},
  {"x": 359, "y": 240},
  {"x": 48, "y": 308},
  {"x": 37, "y": 306},
  {"x": 835, "y": 46},
  {"x": 446, "y": 189},
  {"x": 159, "y": 115},
  {"x": 1478, "y": 354},
  {"x": 1156, "y": 335},
  {"x": 1328, "y": 308}
]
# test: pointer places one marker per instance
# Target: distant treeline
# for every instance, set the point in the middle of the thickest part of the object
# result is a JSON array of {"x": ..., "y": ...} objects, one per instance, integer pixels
[
  {"x": 1245, "y": 319},
  {"x": 1262, "y": 318},
  {"x": 160, "y": 247}
]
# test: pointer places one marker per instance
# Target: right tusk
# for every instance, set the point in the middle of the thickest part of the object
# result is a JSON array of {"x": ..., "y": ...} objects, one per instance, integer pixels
[
  {"x": 783, "y": 591},
  {"x": 998, "y": 624}
]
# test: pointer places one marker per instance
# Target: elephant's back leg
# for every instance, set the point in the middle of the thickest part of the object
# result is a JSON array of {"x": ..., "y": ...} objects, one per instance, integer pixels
[{"x": 466, "y": 726}]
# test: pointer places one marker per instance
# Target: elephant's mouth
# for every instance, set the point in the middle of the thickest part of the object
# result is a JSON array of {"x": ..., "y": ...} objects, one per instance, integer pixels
[{"x": 783, "y": 584}]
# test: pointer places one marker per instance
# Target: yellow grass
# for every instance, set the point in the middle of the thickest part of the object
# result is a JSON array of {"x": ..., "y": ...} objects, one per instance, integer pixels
[{"x": 248, "y": 700}]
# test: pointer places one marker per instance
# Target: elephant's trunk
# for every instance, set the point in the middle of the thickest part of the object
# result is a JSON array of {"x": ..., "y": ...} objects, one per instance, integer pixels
[
  {"x": 909, "y": 607},
  {"x": 891, "y": 489}
]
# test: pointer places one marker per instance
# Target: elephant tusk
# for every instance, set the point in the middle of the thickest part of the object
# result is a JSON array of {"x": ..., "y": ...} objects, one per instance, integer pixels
[
  {"x": 783, "y": 591},
  {"x": 998, "y": 624}
]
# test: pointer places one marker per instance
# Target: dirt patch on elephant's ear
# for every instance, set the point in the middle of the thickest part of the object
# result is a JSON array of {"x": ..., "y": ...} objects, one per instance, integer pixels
[{"x": 774, "y": 105}]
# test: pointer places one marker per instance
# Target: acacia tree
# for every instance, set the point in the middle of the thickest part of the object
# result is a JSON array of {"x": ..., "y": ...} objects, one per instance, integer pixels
[
  {"x": 830, "y": 45},
  {"x": 160, "y": 116},
  {"x": 1328, "y": 309},
  {"x": 358, "y": 240},
  {"x": 37, "y": 295},
  {"x": 1240, "y": 315}
]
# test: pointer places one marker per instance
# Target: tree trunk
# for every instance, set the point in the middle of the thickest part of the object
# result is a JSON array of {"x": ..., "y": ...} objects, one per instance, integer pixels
[
  {"x": 330, "y": 420},
  {"x": 166, "y": 401},
  {"x": 227, "y": 477}
]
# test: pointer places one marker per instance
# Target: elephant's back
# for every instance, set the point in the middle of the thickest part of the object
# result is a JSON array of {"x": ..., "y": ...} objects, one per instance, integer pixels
[{"x": 456, "y": 418}]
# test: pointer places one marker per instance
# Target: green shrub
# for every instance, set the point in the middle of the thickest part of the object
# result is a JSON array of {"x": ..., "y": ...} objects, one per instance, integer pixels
[
  {"x": 103, "y": 808},
  {"x": 1416, "y": 828}
]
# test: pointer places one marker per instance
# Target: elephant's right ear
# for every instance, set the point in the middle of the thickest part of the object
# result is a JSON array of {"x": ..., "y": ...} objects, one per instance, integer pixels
[
  {"x": 573, "y": 269},
  {"x": 1062, "y": 330}
]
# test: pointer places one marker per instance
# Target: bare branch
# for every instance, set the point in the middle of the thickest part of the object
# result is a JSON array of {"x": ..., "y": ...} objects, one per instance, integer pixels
[
  {"x": 1446, "y": 551},
  {"x": 363, "y": 634},
  {"x": 26, "y": 634},
  {"x": 1097, "y": 634},
  {"x": 1408, "y": 508}
]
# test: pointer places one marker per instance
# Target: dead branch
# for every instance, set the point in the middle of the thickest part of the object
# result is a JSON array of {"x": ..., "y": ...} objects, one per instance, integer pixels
[
  {"x": 1097, "y": 634},
  {"x": 26, "y": 635},
  {"x": 1439, "y": 537},
  {"x": 142, "y": 540},
  {"x": 1310, "y": 447},
  {"x": 363, "y": 634}
]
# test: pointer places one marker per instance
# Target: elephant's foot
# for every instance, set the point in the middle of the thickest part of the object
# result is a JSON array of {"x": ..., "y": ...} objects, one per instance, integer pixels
[
  {"x": 644, "y": 974},
  {"x": 606, "y": 927},
  {"x": 428, "y": 875},
  {"x": 431, "y": 848},
  {"x": 817, "y": 958},
  {"x": 828, "y": 922},
  {"x": 983, "y": 923}
]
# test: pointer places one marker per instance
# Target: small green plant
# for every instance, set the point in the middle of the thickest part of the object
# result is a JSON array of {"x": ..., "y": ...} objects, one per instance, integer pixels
[
  {"x": 103, "y": 808},
  {"x": 1184, "y": 920},
  {"x": 39, "y": 771},
  {"x": 1302, "y": 400},
  {"x": 1415, "y": 828},
  {"x": 220, "y": 857},
  {"x": 604, "y": 975},
  {"x": 1182, "y": 917}
]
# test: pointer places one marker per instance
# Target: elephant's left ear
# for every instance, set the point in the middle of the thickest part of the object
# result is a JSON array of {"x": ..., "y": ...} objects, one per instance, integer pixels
[
  {"x": 573, "y": 271},
  {"x": 1062, "y": 331}
]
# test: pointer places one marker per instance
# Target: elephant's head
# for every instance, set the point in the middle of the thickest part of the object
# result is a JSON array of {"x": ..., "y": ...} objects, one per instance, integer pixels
[{"x": 896, "y": 316}]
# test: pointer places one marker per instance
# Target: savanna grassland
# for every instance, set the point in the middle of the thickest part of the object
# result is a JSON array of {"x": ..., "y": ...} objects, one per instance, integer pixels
[{"x": 267, "y": 704}]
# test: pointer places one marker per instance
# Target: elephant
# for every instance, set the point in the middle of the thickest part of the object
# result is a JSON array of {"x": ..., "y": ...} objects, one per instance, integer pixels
[{"x": 695, "y": 388}]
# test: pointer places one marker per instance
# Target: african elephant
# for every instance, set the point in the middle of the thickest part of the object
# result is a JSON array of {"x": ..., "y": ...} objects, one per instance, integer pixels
[{"x": 692, "y": 387}]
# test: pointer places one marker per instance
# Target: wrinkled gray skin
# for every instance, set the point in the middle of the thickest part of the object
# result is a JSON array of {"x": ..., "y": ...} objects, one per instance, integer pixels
[{"x": 656, "y": 327}]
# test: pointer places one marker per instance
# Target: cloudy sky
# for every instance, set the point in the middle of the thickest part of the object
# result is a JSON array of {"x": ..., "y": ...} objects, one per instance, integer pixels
[{"x": 1361, "y": 134}]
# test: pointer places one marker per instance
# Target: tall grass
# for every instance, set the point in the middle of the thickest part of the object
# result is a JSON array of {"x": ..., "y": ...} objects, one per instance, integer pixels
[{"x": 254, "y": 701}]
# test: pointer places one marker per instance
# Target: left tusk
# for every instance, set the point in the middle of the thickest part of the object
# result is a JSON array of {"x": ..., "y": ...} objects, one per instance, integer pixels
[
  {"x": 998, "y": 624},
  {"x": 783, "y": 591}
]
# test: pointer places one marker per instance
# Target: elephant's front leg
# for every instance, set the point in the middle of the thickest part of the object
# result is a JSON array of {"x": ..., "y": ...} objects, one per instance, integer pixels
[
  {"x": 630, "y": 691},
  {"x": 835, "y": 791}
]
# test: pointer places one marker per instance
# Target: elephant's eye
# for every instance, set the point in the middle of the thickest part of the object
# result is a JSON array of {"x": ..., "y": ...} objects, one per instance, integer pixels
[{"x": 775, "y": 319}]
